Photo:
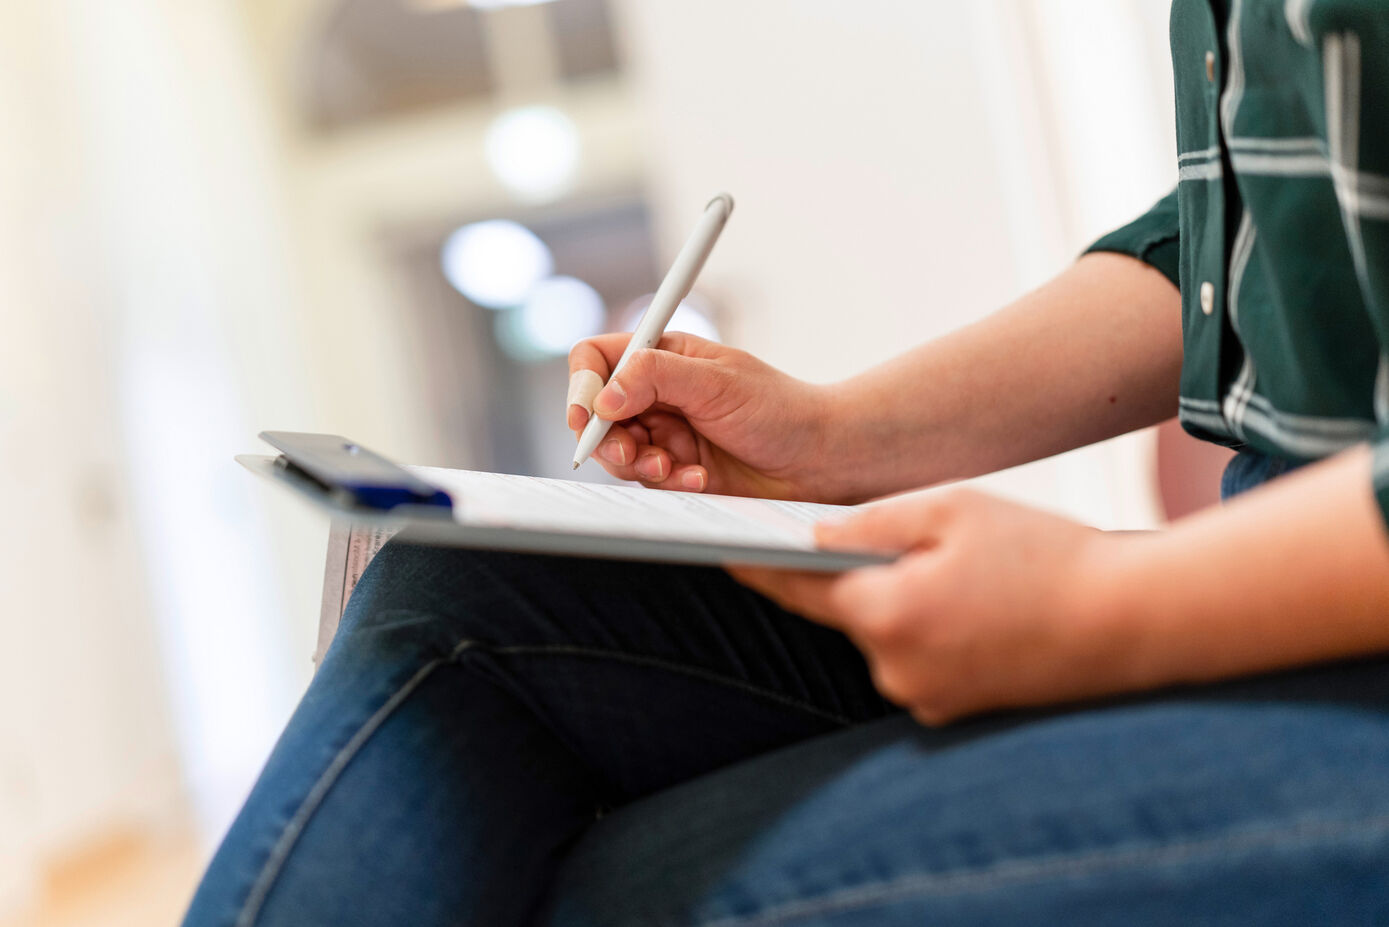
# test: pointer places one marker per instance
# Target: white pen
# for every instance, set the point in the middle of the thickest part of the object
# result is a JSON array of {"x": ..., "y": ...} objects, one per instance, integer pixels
[{"x": 674, "y": 288}]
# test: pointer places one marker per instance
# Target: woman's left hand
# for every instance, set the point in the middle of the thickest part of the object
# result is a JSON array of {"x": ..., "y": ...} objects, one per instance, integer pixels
[{"x": 992, "y": 604}]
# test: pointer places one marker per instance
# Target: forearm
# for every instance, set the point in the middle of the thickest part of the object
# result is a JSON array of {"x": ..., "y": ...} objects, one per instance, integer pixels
[
  {"x": 1296, "y": 572},
  {"x": 1092, "y": 354}
]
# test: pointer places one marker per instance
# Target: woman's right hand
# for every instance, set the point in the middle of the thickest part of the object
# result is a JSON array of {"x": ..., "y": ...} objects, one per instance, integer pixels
[{"x": 697, "y": 416}]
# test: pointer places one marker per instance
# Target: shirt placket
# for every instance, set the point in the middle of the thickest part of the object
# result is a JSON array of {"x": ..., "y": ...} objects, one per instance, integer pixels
[{"x": 1201, "y": 82}]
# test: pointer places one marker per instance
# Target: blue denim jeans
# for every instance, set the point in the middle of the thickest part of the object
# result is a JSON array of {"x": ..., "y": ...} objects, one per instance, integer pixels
[{"x": 501, "y": 739}]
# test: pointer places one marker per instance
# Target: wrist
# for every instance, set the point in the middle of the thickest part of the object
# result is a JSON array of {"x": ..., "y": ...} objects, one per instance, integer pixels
[
  {"x": 1114, "y": 596},
  {"x": 881, "y": 442},
  {"x": 841, "y": 447}
]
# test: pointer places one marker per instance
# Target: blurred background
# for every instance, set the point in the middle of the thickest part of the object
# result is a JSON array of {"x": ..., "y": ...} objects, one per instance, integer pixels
[{"x": 390, "y": 219}]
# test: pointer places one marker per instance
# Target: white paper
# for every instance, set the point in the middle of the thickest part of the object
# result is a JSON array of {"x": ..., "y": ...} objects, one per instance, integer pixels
[
  {"x": 503, "y": 500},
  {"x": 350, "y": 548},
  {"x": 334, "y": 591}
]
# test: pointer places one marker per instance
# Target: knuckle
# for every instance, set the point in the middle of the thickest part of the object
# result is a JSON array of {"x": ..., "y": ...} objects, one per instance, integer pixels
[
  {"x": 843, "y": 597},
  {"x": 884, "y": 628},
  {"x": 635, "y": 370},
  {"x": 679, "y": 342},
  {"x": 661, "y": 364},
  {"x": 859, "y": 594},
  {"x": 726, "y": 371},
  {"x": 889, "y": 621},
  {"x": 645, "y": 369},
  {"x": 577, "y": 355}
]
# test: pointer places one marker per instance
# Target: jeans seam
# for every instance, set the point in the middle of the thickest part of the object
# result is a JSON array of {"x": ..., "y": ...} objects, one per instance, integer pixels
[
  {"x": 1014, "y": 871},
  {"x": 671, "y": 666},
  {"x": 274, "y": 863}
]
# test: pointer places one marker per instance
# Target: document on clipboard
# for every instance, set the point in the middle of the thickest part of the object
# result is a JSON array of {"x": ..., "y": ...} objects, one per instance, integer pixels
[
  {"x": 372, "y": 498},
  {"x": 351, "y": 547}
]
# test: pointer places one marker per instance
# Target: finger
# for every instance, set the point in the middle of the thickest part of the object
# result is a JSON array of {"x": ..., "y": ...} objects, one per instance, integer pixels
[
  {"x": 692, "y": 385},
  {"x": 852, "y": 590},
  {"x": 642, "y": 463},
  {"x": 617, "y": 451},
  {"x": 801, "y": 592},
  {"x": 672, "y": 432},
  {"x": 639, "y": 433},
  {"x": 652, "y": 464},
  {"x": 688, "y": 478},
  {"x": 602, "y": 352},
  {"x": 584, "y": 384},
  {"x": 893, "y": 525},
  {"x": 577, "y": 418},
  {"x": 869, "y": 598},
  {"x": 598, "y": 354}
]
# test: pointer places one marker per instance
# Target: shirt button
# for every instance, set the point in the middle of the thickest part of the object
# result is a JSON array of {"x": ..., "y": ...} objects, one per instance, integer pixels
[
  {"x": 1208, "y": 297},
  {"x": 1210, "y": 66}
]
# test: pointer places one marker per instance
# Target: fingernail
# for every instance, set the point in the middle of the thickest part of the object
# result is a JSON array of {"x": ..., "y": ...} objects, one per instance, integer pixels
[
  {"x": 610, "y": 399},
  {"x": 612, "y": 452},
  {"x": 652, "y": 466},
  {"x": 570, "y": 419},
  {"x": 692, "y": 480}
]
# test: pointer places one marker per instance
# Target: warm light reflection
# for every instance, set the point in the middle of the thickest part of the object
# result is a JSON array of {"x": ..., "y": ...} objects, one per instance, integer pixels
[
  {"x": 534, "y": 151},
  {"x": 495, "y": 263},
  {"x": 558, "y": 312},
  {"x": 498, "y": 4},
  {"x": 432, "y": 6}
]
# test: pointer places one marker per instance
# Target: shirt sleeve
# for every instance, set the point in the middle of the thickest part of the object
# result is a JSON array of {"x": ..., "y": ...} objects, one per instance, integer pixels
[
  {"x": 1379, "y": 469},
  {"x": 1152, "y": 238},
  {"x": 1352, "y": 37}
]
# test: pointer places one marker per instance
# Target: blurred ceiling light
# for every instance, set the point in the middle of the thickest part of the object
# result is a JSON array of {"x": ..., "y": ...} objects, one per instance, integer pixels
[
  {"x": 558, "y": 312},
  {"x": 692, "y": 316},
  {"x": 533, "y": 150},
  {"x": 430, "y": 6},
  {"x": 495, "y": 263},
  {"x": 498, "y": 4}
]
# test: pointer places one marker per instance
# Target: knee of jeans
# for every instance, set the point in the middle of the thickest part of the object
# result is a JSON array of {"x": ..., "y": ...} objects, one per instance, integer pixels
[{"x": 444, "y": 593}]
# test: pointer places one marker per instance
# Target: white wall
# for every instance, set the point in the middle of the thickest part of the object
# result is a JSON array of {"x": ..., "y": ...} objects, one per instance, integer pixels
[
  {"x": 209, "y": 351},
  {"x": 901, "y": 169},
  {"x": 853, "y": 139},
  {"x": 85, "y": 741},
  {"x": 148, "y": 641}
]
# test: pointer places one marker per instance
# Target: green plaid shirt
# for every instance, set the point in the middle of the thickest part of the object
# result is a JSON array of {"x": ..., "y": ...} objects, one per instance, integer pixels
[{"x": 1278, "y": 231}]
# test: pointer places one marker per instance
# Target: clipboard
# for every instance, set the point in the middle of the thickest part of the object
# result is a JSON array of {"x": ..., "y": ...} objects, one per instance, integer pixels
[{"x": 353, "y": 483}]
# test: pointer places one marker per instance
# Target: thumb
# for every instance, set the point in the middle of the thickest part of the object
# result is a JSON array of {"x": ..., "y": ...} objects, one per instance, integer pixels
[
  {"x": 896, "y": 525},
  {"x": 650, "y": 376}
]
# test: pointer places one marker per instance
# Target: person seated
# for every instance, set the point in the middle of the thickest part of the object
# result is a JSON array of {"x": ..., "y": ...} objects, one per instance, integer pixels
[{"x": 1021, "y": 720}]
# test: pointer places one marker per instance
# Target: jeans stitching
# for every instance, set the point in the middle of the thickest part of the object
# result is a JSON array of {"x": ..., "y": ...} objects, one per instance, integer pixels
[
  {"x": 1013, "y": 871},
  {"x": 274, "y": 863},
  {"x": 671, "y": 666},
  {"x": 279, "y": 854}
]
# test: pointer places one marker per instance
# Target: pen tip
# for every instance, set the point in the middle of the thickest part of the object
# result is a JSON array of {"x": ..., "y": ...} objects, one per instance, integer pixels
[{"x": 576, "y": 465}]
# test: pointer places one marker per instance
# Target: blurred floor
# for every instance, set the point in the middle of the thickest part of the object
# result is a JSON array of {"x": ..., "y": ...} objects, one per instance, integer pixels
[{"x": 125, "y": 881}]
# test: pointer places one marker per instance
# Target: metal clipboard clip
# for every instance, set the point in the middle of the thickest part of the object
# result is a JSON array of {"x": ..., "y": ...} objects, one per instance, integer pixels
[{"x": 352, "y": 476}]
